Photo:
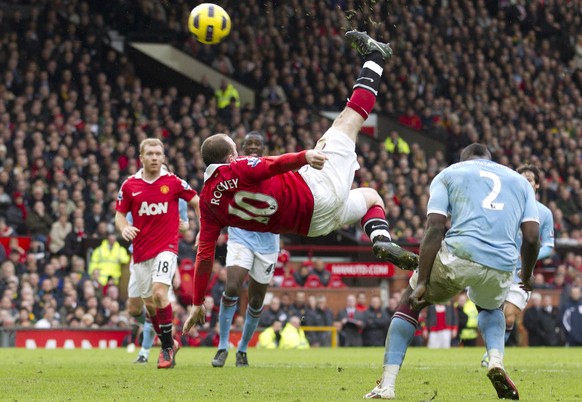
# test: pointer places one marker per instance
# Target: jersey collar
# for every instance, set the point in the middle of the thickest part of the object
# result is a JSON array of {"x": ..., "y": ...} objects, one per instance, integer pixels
[
  {"x": 139, "y": 174},
  {"x": 211, "y": 169}
]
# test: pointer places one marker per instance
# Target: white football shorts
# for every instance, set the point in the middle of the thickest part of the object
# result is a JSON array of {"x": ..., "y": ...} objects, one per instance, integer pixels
[
  {"x": 450, "y": 274},
  {"x": 334, "y": 204},
  {"x": 517, "y": 296},
  {"x": 261, "y": 267},
  {"x": 132, "y": 290},
  {"x": 160, "y": 269}
]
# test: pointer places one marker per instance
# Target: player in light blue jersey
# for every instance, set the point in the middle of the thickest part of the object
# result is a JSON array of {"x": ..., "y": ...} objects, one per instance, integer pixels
[
  {"x": 135, "y": 304},
  {"x": 488, "y": 204},
  {"x": 517, "y": 298},
  {"x": 250, "y": 253}
]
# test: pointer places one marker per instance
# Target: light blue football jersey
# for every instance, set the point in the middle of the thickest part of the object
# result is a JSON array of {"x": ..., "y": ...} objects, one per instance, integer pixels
[
  {"x": 259, "y": 242},
  {"x": 182, "y": 209},
  {"x": 487, "y": 203},
  {"x": 546, "y": 234}
]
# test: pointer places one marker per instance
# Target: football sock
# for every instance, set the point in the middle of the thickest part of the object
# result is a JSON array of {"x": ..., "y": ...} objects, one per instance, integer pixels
[
  {"x": 251, "y": 323},
  {"x": 156, "y": 324},
  {"x": 389, "y": 375},
  {"x": 164, "y": 315},
  {"x": 400, "y": 334},
  {"x": 367, "y": 85},
  {"x": 374, "y": 223},
  {"x": 491, "y": 324},
  {"x": 148, "y": 338},
  {"x": 228, "y": 306}
]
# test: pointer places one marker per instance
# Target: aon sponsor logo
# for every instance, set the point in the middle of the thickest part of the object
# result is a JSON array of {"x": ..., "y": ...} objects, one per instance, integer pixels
[{"x": 156, "y": 208}]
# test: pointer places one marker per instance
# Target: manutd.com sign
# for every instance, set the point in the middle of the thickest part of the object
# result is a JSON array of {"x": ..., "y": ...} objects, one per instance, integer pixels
[
  {"x": 70, "y": 339},
  {"x": 362, "y": 269}
]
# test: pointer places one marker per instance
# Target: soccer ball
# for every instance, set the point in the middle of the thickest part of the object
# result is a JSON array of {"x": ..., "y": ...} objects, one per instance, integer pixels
[{"x": 209, "y": 23}]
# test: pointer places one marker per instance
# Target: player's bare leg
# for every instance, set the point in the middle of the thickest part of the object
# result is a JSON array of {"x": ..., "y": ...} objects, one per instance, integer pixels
[{"x": 135, "y": 307}]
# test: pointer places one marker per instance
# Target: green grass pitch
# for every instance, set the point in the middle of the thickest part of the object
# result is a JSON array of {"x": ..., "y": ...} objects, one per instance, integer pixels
[{"x": 344, "y": 374}]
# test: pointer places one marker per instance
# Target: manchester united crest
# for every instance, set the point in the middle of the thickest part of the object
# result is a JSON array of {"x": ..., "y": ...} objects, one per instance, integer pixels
[{"x": 165, "y": 189}]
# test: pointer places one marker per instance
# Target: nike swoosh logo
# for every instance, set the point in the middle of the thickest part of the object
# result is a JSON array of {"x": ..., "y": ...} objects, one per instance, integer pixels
[
  {"x": 366, "y": 78},
  {"x": 375, "y": 226},
  {"x": 138, "y": 193}
]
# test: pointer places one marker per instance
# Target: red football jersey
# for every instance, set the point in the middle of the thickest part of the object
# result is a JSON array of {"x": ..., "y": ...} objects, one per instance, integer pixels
[
  {"x": 251, "y": 193},
  {"x": 256, "y": 194},
  {"x": 154, "y": 207}
]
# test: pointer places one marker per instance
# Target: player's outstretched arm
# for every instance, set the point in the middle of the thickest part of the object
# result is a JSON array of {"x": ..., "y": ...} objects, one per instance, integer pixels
[
  {"x": 202, "y": 274},
  {"x": 128, "y": 232}
]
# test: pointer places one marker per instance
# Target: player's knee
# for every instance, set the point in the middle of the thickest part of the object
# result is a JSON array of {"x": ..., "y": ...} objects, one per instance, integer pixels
[
  {"x": 160, "y": 296},
  {"x": 372, "y": 197},
  {"x": 135, "y": 307},
  {"x": 256, "y": 302}
]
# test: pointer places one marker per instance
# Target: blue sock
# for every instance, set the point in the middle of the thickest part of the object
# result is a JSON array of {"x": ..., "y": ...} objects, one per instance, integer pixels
[
  {"x": 148, "y": 335},
  {"x": 251, "y": 322},
  {"x": 400, "y": 334},
  {"x": 225, "y": 319},
  {"x": 508, "y": 333},
  {"x": 492, "y": 327}
]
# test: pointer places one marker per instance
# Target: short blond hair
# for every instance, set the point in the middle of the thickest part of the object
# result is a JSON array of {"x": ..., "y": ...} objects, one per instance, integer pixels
[{"x": 150, "y": 142}]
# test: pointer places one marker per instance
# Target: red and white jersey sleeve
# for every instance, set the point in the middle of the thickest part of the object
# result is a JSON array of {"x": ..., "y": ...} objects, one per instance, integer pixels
[{"x": 154, "y": 207}]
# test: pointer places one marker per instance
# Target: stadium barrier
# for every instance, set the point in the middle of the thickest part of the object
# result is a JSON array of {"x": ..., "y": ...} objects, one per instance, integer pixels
[{"x": 333, "y": 331}]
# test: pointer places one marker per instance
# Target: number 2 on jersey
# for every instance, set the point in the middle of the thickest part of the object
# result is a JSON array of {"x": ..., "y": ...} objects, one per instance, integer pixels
[
  {"x": 488, "y": 201},
  {"x": 243, "y": 209}
]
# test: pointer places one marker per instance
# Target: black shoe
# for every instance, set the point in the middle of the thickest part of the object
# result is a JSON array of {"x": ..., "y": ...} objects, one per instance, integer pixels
[
  {"x": 141, "y": 359},
  {"x": 365, "y": 45},
  {"x": 220, "y": 358},
  {"x": 241, "y": 359},
  {"x": 385, "y": 250},
  {"x": 503, "y": 385}
]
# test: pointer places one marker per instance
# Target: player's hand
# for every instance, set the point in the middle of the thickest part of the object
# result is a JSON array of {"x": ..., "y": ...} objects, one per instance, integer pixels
[
  {"x": 416, "y": 300},
  {"x": 129, "y": 233},
  {"x": 526, "y": 283},
  {"x": 197, "y": 317},
  {"x": 184, "y": 226},
  {"x": 316, "y": 159}
]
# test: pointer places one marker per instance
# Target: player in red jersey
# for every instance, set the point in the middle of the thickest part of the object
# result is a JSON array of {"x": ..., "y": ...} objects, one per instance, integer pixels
[
  {"x": 266, "y": 194},
  {"x": 152, "y": 196}
]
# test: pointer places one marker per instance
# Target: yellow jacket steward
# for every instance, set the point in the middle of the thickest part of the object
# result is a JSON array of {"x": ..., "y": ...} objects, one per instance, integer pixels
[
  {"x": 470, "y": 331},
  {"x": 267, "y": 339},
  {"x": 293, "y": 338},
  {"x": 223, "y": 97},
  {"x": 400, "y": 147},
  {"x": 108, "y": 260}
]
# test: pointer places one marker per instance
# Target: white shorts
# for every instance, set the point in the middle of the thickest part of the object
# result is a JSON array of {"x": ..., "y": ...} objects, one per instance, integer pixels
[
  {"x": 132, "y": 290},
  {"x": 334, "y": 204},
  {"x": 261, "y": 267},
  {"x": 160, "y": 269},
  {"x": 517, "y": 296},
  {"x": 450, "y": 274}
]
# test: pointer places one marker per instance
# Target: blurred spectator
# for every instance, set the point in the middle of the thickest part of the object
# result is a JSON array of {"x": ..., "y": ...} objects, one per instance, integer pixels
[
  {"x": 219, "y": 284},
  {"x": 319, "y": 316},
  {"x": 39, "y": 222},
  {"x": 59, "y": 231},
  {"x": 302, "y": 274},
  {"x": 376, "y": 322},
  {"x": 319, "y": 270},
  {"x": 186, "y": 246},
  {"x": 270, "y": 337},
  {"x": 5, "y": 230},
  {"x": 108, "y": 259},
  {"x": 362, "y": 301},
  {"x": 571, "y": 316},
  {"x": 74, "y": 240},
  {"x": 467, "y": 321},
  {"x": 273, "y": 313},
  {"x": 293, "y": 336},
  {"x": 410, "y": 119},
  {"x": 352, "y": 322},
  {"x": 396, "y": 145},
  {"x": 299, "y": 306},
  {"x": 16, "y": 214},
  {"x": 225, "y": 93},
  {"x": 541, "y": 322},
  {"x": 440, "y": 326}
]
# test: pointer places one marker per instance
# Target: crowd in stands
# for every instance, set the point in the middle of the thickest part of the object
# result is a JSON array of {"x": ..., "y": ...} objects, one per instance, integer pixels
[{"x": 73, "y": 111}]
